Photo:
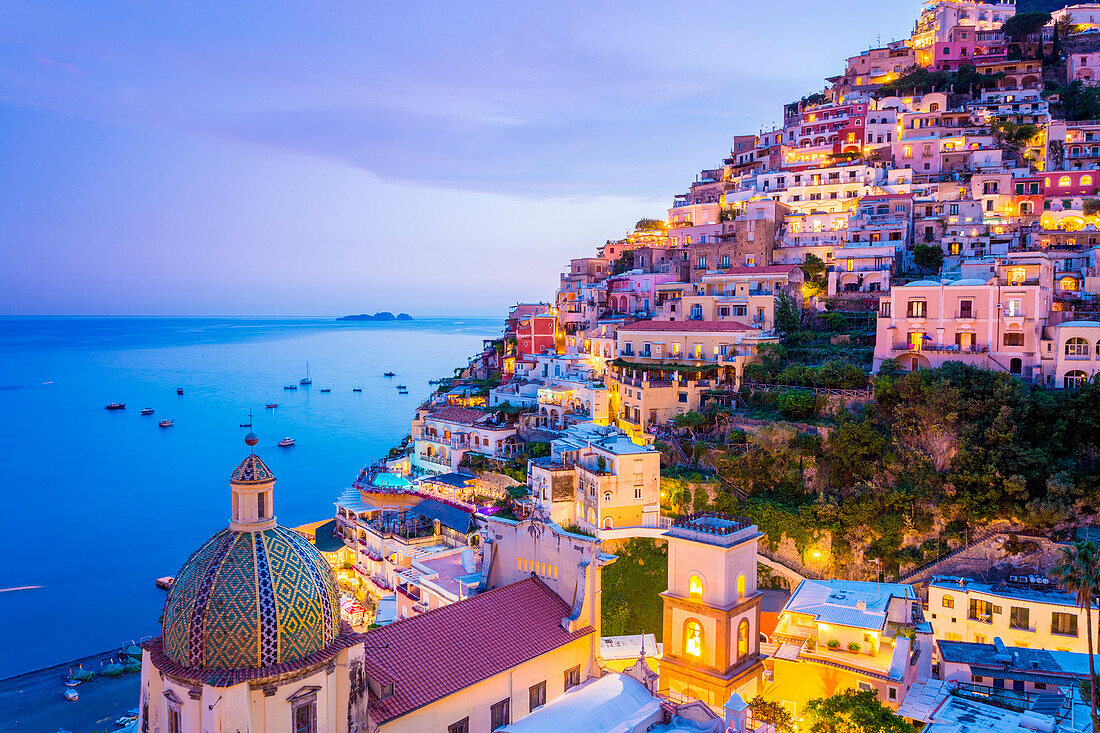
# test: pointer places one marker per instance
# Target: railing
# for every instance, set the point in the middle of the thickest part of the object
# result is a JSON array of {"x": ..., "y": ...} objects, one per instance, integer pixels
[
  {"x": 946, "y": 348},
  {"x": 437, "y": 460}
]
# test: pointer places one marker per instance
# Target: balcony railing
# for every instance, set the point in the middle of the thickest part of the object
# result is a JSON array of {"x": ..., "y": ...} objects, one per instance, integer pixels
[{"x": 946, "y": 348}]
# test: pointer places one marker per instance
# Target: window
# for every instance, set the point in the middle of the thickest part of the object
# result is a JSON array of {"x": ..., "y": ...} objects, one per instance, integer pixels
[
  {"x": 693, "y": 639},
  {"x": 536, "y": 696},
  {"x": 1064, "y": 182},
  {"x": 966, "y": 309},
  {"x": 1077, "y": 347},
  {"x": 1018, "y": 618},
  {"x": 948, "y": 601},
  {"x": 607, "y": 496},
  {"x": 1063, "y": 624},
  {"x": 173, "y": 720},
  {"x": 884, "y": 309},
  {"x": 696, "y": 312},
  {"x": 701, "y": 264},
  {"x": 305, "y": 717},
  {"x": 1086, "y": 180},
  {"x": 915, "y": 309},
  {"x": 742, "y": 638},
  {"x": 682, "y": 397},
  {"x": 638, "y": 489},
  {"x": 1074, "y": 379},
  {"x": 498, "y": 715},
  {"x": 892, "y": 693},
  {"x": 261, "y": 506},
  {"x": 695, "y": 587},
  {"x": 864, "y": 686},
  {"x": 725, "y": 261},
  {"x": 462, "y": 726},
  {"x": 981, "y": 610},
  {"x": 1014, "y": 339},
  {"x": 572, "y": 677},
  {"x": 907, "y": 152}
]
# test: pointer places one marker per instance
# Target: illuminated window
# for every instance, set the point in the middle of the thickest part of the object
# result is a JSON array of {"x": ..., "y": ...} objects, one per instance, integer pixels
[
  {"x": 1086, "y": 180},
  {"x": 1017, "y": 274},
  {"x": 1068, "y": 283},
  {"x": 948, "y": 601},
  {"x": 695, "y": 587},
  {"x": 742, "y": 638},
  {"x": 740, "y": 586},
  {"x": 1064, "y": 182},
  {"x": 693, "y": 638},
  {"x": 1077, "y": 347},
  {"x": 907, "y": 152}
]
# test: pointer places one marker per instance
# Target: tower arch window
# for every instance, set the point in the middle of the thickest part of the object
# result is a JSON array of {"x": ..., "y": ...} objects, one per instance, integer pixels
[
  {"x": 742, "y": 638},
  {"x": 695, "y": 586},
  {"x": 693, "y": 639},
  {"x": 741, "y": 586}
]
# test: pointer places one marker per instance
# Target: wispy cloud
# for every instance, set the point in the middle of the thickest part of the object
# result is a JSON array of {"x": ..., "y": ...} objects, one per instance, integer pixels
[{"x": 60, "y": 66}]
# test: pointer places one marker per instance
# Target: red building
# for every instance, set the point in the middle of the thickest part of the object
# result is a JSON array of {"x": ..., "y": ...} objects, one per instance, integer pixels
[
  {"x": 1057, "y": 184},
  {"x": 534, "y": 335}
]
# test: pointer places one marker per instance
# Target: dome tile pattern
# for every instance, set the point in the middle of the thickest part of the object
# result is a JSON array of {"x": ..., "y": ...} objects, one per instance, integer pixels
[{"x": 251, "y": 600}]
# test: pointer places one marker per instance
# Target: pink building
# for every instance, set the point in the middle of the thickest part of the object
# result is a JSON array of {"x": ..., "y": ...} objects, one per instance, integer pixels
[
  {"x": 1083, "y": 67},
  {"x": 995, "y": 323},
  {"x": 635, "y": 294}
]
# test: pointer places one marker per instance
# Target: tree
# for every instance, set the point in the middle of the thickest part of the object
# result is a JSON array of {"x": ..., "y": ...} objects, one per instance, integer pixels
[
  {"x": 624, "y": 263},
  {"x": 854, "y": 712},
  {"x": 787, "y": 318},
  {"x": 1022, "y": 25},
  {"x": 649, "y": 225},
  {"x": 797, "y": 404},
  {"x": 928, "y": 257},
  {"x": 1079, "y": 573},
  {"x": 771, "y": 713}
]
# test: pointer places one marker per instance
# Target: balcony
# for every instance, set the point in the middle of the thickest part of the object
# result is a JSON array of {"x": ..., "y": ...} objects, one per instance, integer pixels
[
  {"x": 435, "y": 459},
  {"x": 941, "y": 348}
]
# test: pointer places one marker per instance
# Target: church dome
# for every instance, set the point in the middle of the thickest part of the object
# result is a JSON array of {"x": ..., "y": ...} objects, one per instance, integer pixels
[{"x": 251, "y": 599}]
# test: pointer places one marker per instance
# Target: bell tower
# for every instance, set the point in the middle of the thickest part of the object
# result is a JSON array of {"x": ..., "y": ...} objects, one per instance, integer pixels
[
  {"x": 712, "y": 609},
  {"x": 253, "y": 488}
]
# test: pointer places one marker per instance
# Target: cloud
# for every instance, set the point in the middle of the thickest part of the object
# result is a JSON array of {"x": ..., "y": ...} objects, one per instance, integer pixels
[{"x": 60, "y": 65}]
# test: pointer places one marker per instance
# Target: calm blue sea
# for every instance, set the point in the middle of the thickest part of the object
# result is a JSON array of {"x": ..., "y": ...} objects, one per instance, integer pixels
[{"x": 97, "y": 504}]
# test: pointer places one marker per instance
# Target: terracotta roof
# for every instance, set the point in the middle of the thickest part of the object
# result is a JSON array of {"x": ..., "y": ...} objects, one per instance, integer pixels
[
  {"x": 458, "y": 415},
  {"x": 432, "y": 656},
  {"x": 692, "y": 326}
]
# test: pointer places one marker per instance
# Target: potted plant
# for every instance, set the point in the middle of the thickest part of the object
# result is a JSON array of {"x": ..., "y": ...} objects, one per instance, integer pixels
[
  {"x": 853, "y": 646},
  {"x": 833, "y": 644}
]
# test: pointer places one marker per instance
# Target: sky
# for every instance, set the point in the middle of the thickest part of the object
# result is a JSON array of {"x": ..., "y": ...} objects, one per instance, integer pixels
[{"x": 290, "y": 158}]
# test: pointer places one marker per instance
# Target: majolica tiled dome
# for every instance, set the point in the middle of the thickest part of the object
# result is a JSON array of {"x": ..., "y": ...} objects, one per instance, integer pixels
[{"x": 251, "y": 600}]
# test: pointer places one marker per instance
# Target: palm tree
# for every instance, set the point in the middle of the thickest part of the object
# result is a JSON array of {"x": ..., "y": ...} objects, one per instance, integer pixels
[{"x": 1079, "y": 574}]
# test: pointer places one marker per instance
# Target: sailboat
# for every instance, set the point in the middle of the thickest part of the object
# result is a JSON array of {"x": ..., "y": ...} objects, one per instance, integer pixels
[{"x": 306, "y": 380}]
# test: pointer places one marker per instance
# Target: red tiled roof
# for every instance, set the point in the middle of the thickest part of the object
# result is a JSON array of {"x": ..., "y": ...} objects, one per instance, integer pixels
[
  {"x": 458, "y": 415},
  {"x": 431, "y": 656},
  {"x": 692, "y": 326}
]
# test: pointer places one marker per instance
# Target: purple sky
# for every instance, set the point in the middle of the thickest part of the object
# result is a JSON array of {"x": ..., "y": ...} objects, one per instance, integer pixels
[{"x": 322, "y": 158}]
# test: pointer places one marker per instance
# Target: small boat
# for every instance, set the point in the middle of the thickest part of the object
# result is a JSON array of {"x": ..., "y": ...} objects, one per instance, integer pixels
[
  {"x": 179, "y": 390},
  {"x": 131, "y": 650},
  {"x": 306, "y": 380},
  {"x": 271, "y": 405},
  {"x": 356, "y": 389},
  {"x": 286, "y": 442},
  {"x": 402, "y": 391},
  {"x": 166, "y": 582},
  {"x": 71, "y": 694},
  {"x": 134, "y": 665},
  {"x": 116, "y": 405},
  {"x": 81, "y": 674},
  {"x": 112, "y": 669},
  {"x": 326, "y": 389},
  {"x": 147, "y": 411},
  {"x": 290, "y": 386},
  {"x": 71, "y": 682},
  {"x": 401, "y": 386},
  {"x": 166, "y": 423},
  {"x": 388, "y": 374}
]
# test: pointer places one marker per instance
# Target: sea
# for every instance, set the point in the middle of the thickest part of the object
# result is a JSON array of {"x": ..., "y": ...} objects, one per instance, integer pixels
[{"x": 97, "y": 504}]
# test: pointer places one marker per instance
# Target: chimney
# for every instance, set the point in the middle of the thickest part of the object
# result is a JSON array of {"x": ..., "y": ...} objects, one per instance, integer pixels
[
  {"x": 737, "y": 714},
  {"x": 861, "y": 605}
]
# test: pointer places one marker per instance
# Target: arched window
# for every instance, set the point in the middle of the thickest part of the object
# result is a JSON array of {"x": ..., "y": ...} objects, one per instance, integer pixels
[
  {"x": 742, "y": 638},
  {"x": 696, "y": 312},
  {"x": 1077, "y": 347},
  {"x": 948, "y": 601},
  {"x": 741, "y": 586},
  {"x": 1086, "y": 180},
  {"x": 607, "y": 496},
  {"x": 695, "y": 587},
  {"x": 1068, "y": 283},
  {"x": 591, "y": 516},
  {"x": 1064, "y": 182},
  {"x": 1015, "y": 366},
  {"x": 693, "y": 639},
  {"x": 1075, "y": 379}
]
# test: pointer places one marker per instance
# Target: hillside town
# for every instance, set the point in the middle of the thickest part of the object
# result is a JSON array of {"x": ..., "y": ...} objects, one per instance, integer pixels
[{"x": 806, "y": 419}]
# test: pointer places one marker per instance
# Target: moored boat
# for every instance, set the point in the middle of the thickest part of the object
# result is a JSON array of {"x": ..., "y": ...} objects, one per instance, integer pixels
[
  {"x": 387, "y": 374},
  {"x": 356, "y": 389},
  {"x": 305, "y": 381},
  {"x": 81, "y": 674},
  {"x": 71, "y": 694},
  {"x": 290, "y": 386},
  {"x": 286, "y": 442},
  {"x": 326, "y": 389},
  {"x": 271, "y": 405},
  {"x": 401, "y": 386},
  {"x": 147, "y": 411},
  {"x": 166, "y": 582},
  {"x": 116, "y": 405},
  {"x": 179, "y": 390},
  {"x": 166, "y": 423}
]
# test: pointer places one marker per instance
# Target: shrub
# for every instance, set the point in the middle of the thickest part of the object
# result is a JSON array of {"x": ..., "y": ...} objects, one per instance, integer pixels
[
  {"x": 832, "y": 644},
  {"x": 797, "y": 404},
  {"x": 853, "y": 646}
]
